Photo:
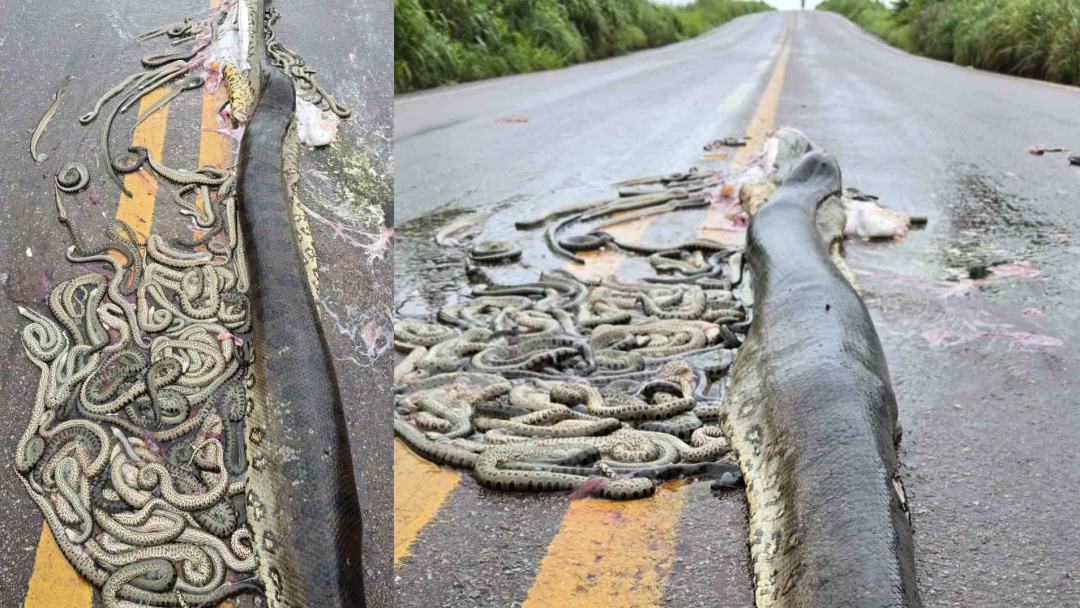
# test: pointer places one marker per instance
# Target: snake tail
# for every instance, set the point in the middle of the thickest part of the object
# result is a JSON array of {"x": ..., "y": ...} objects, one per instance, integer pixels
[
  {"x": 811, "y": 416},
  {"x": 302, "y": 498}
]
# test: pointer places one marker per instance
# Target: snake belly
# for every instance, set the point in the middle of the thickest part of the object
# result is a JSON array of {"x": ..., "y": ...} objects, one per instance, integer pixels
[
  {"x": 811, "y": 416},
  {"x": 302, "y": 501}
]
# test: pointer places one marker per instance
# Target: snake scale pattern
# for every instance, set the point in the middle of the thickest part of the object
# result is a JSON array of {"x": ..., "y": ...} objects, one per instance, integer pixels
[
  {"x": 599, "y": 388},
  {"x": 149, "y": 448}
]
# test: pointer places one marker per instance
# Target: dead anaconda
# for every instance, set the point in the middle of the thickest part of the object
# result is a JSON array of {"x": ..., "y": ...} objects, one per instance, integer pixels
[
  {"x": 811, "y": 416},
  {"x": 302, "y": 500}
]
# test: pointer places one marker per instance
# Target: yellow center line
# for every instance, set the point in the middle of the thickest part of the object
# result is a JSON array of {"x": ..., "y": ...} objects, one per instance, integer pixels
[
  {"x": 764, "y": 119},
  {"x": 420, "y": 489}
]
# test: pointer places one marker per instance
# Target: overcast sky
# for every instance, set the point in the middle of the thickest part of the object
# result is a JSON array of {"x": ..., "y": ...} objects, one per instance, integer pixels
[{"x": 780, "y": 4}]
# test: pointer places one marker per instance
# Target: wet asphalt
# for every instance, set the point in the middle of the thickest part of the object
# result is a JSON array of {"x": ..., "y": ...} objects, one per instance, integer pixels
[
  {"x": 983, "y": 370},
  {"x": 351, "y": 182}
]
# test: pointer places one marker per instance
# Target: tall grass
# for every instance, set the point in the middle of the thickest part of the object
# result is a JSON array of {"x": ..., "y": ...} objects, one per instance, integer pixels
[
  {"x": 444, "y": 41},
  {"x": 1032, "y": 38}
]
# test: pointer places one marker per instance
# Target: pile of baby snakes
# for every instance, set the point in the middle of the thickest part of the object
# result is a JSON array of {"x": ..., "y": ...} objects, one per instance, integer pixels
[
  {"x": 134, "y": 449},
  {"x": 170, "y": 69},
  {"x": 638, "y": 198},
  {"x": 602, "y": 388}
]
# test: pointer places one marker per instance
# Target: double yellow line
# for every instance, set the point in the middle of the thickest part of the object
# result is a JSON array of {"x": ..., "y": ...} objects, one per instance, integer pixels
[
  {"x": 53, "y": 582},
  {"x": 605, "y": 553}
]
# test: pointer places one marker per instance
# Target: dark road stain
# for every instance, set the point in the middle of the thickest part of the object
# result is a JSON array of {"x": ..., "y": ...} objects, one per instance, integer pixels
[{"x": 989, "y": 223}]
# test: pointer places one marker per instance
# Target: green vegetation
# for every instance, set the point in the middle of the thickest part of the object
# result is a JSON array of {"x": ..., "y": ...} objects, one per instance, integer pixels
[
  {"x": 1032, "y": 38},
  {"x": 443, "y": 41}
]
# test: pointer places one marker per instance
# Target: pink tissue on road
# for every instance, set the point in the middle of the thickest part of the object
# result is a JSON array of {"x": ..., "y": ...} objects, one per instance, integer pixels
[{"x": 1019, "y": 268}]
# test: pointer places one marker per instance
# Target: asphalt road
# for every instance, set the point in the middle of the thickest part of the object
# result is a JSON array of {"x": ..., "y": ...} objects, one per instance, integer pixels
[
  {"x": 348, "y": 41},
  {"x": 983, "y": 371}
]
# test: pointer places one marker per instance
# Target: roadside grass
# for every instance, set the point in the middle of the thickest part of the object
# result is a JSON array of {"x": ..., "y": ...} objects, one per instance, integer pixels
[
  {"x": 1032, "y": 38},
  {"x": 440, "y": 42}
]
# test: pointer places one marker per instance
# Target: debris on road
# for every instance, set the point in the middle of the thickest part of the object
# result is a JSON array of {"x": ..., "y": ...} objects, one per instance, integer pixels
[
  {"x": 40, "y": 129},
  {"x": 729, "y": 142},
  {"x": 314, "y": 126},
  {"x": 490, "y": 252},
  {"x": 695, "y": 202},
  {"x": 1039, "y": 149},
  {"x": 978, "y": 272},
  {"x": 858, "y": 195},
  {"x": 513, "y": 119},
  {"x": 378, "y": 243},
  {"x": 868, "y": 220},
  {"x": 639, "y": 190},
  {"x": 692, "y": 175},
  {"x": 555, "y": 392},
  {"x": 1074, "y": 160}
]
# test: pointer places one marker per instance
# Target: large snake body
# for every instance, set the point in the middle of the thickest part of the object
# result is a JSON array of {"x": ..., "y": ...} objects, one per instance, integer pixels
[
  {"x": 811, "y": 416},
  {"x": 302, "y": 501}
]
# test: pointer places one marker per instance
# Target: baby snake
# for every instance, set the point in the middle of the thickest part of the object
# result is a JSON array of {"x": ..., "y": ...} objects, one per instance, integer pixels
[
  {"x": 40, "y": 129},
  {"x": 583, "y": 384}
]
